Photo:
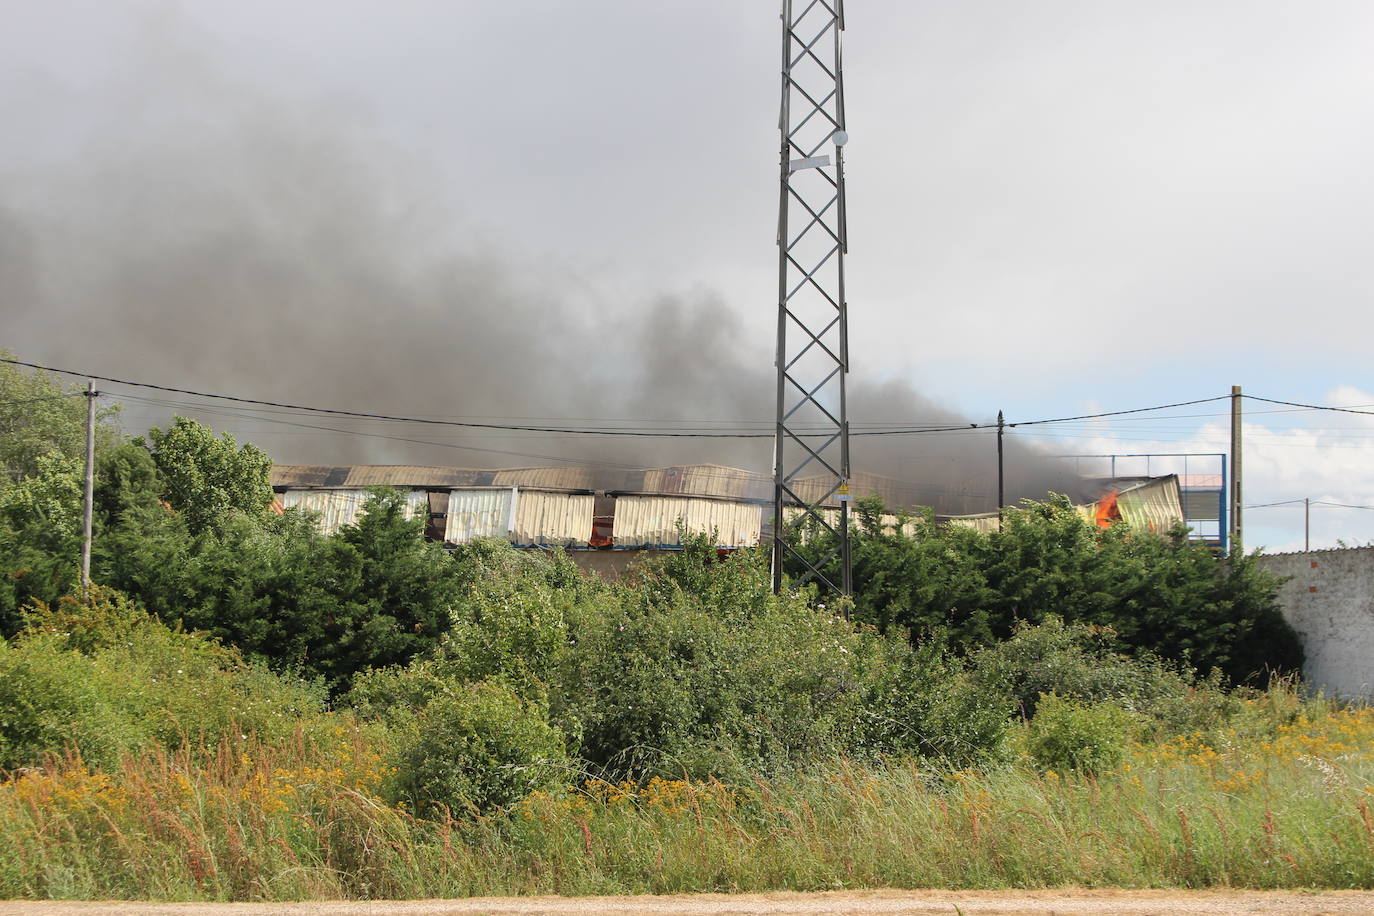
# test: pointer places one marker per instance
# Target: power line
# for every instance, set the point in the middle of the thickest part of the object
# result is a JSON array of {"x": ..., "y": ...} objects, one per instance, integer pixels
[
  {"x": 580, "y": 431},
  {"x": 619, "y": 431},
  {"x": 1367, "y": 413},
  {"x": 361, "y": 433},
  {"x": 1314, "y": 502},
  {"x": 1118, "y": 413}
]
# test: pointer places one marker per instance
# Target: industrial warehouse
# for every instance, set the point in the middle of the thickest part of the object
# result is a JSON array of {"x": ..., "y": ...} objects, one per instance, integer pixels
[{"x": 606, "y": 518}]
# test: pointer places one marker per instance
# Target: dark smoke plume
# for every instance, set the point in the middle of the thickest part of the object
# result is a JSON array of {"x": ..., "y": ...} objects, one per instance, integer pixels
[{"x": 248, "y": 247}]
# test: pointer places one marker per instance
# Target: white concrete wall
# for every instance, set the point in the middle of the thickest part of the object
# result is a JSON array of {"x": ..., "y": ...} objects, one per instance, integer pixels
[{"x": 1330, "y": 602}]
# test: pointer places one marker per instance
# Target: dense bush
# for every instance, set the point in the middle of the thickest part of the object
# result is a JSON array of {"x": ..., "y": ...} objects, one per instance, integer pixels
[
  {"x": 1090, "y": 737},
  {"x": 692, "y": 668},
  {"x": 52, "y": 700},
  {"x": 373, "y": 594},
  {"x": 478, "y": 746},
  {"x": 1074, "y": 661},
  {"x": 1158, "y": 594},
  {"x": 102, "y": 676}
]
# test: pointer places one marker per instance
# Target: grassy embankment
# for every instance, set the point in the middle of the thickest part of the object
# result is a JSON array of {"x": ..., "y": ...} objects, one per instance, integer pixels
[{"x": 1285, "y": 802}]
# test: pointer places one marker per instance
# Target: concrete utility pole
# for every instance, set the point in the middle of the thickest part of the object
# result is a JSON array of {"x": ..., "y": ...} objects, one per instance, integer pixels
[
  {"x": 87, "y": 505},
  {"x": 1001, "y": 488},
  {"x": 1306, "y": 524},
  {"x": 811, "y": 445},
  {"x": 1236, "y": 542}
]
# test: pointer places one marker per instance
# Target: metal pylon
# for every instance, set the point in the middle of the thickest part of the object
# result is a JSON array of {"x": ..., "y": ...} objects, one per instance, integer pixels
[{"x": 811, "y": 448}]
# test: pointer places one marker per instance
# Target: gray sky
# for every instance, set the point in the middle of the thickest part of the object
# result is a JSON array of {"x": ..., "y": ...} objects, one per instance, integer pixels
[{"x": 1054, "y": 206}]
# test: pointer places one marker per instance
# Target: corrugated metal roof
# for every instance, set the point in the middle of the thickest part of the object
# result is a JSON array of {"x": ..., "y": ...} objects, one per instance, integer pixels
[
  {"x": 551, "y": 478},
  {"x": 651, "y": 521},
  {"x": 895, "y": 493},
  {"x": 707, "y": 480},
  {"x": 338, "y": 508},
  {"x": 688, "y": 480},
  {"x": 375, "y": 475}
]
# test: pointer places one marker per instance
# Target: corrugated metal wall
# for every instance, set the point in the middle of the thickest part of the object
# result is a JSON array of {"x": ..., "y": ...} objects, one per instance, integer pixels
[
  {"x": 553, "y": 519},
  {"x": 476, "y": 514},
  {"x": 338, "y": 508},
  {"x": 651, "y": 521},
  {"x": 984, "y": 522}
]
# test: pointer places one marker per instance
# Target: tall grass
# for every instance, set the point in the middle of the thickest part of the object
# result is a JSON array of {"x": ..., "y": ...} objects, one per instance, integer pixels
[{"x": 1288, "y": 808}]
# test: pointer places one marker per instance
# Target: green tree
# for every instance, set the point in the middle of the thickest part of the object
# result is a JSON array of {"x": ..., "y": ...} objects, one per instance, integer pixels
[
  {"x": 206, "y": 477},
  {"x": 42, "y": 454},
  {"x": 372, "y": 594},
  {"x": 1160, "y": 594},
  {"x": 40, "y": 536},
  {"x": 40, "y": 417}
]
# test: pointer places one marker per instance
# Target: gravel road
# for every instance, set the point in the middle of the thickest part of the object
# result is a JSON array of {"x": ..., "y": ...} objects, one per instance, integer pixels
[{"x": 883, "y": 903}]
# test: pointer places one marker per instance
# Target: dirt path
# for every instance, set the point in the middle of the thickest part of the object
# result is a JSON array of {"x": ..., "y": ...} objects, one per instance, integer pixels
[{"x": 882, "y": 903}]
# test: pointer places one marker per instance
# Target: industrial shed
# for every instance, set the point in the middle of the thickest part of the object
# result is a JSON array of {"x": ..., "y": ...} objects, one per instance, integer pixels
[
  {"x": 606, "y": 517},
  {"x": 577, "y": 508}
]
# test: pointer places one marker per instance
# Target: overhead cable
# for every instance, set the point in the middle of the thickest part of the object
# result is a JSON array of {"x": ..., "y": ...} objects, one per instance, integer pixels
[
  {"x": 1367, "y": 413},
  {"x": 581, "y": 431}
]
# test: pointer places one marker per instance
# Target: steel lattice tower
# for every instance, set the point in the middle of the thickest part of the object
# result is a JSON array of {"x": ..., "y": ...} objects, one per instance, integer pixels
[{"x": 811, "y": 448}]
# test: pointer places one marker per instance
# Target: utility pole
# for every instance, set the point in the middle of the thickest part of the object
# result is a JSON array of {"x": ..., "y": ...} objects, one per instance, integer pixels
[
  {"x": 1001, "y": 488},
  {"x": 1236, "y": 542},
  {"x": 1306, "y": 524},
  {"x": 811, "y": 444},
  {"x": 87, "y": 503}
]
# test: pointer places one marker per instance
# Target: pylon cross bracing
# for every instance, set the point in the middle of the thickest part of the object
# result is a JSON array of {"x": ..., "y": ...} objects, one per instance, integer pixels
[{"x": 811, "y": 448}]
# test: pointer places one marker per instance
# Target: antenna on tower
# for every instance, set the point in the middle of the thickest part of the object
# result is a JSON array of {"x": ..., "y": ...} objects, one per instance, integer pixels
[{"x": 811, "y": 446}]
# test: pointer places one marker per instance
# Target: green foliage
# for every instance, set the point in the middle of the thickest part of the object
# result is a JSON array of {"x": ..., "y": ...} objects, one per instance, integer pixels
[
  {"x": 42, "y": 456},
  {"x": 99, "y": 674},
  {"x": 51, "y": 700},
  {"x": 40, "y": 417},
  {"x": 694, "y": 667},
  {"x": 1159, "y": 594},
  {"x": 374, "y": 594},
  {"x": 49, "y": 499},
  {"x": 40, "y": 535},
  {"x": 1074, "y": 661},
  {"x": 1090, "y": 738},
  {"x": 924, "y": 701},
  {"x": 515, "y": 614},
  {"x": 206, "y": 478},
  {"x": 479, "y": 747}
]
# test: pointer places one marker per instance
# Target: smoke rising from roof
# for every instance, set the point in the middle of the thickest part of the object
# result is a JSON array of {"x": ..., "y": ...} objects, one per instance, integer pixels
[{"x": 226, "y": 241}]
